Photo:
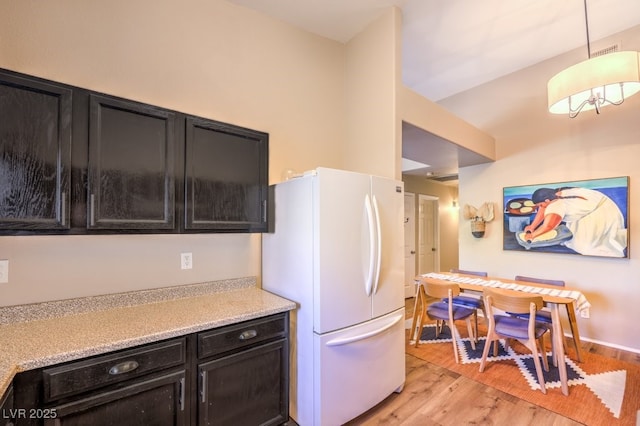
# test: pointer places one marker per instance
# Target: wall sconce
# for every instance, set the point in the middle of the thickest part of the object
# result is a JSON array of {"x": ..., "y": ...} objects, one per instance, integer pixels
[{"x": 478, "y": 217}]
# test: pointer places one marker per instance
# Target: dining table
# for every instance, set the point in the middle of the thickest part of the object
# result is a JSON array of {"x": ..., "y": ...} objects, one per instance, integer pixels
[{"x": 553, "y": 297}]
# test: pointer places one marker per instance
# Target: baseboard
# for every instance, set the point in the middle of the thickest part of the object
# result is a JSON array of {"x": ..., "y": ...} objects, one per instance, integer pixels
[{"x": 608, "y": 344}]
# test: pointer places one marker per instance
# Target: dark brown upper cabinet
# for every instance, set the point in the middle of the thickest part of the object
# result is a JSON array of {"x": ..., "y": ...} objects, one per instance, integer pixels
[
  {"x": 226, "y": 177},
  {"x": 131, "y": 166},
  {"x": 75, "y": 161},
  {"x": 35, "y": 154}
]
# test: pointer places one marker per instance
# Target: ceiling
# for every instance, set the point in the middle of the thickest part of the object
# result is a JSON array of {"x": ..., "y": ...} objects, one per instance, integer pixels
[{"x": 449, "y": 46}]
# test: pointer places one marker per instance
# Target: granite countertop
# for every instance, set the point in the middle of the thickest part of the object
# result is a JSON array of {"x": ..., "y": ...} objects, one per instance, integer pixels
[{"x": 43, "y": 334}]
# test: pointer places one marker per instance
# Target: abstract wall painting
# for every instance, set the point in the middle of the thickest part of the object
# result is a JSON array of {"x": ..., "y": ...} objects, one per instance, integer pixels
[{"x": 586, "y": 217}]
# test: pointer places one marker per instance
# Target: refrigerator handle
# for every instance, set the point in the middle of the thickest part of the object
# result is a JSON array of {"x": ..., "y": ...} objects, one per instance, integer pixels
[
  {"x": 372, "y": 246},
  {"x": 351, "y": 339},
  {"x": 376, "y": 212}
]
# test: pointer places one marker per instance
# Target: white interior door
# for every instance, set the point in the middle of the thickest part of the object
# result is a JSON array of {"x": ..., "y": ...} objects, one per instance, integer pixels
[
  {"x": 428, "y": 241},
  {"x": 409, "y": 244}
]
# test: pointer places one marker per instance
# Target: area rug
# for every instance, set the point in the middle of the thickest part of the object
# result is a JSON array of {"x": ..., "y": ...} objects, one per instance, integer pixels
[{"x": 601, "y": 390}]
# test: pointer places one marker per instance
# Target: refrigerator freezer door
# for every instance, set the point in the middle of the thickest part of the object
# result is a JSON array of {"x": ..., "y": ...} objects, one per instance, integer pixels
[
  {"x": 356, "y": 368},
  {"x": 342, "y": 241}
]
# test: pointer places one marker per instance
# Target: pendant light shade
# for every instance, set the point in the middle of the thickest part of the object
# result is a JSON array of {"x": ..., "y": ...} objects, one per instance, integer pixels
[
  {"x": 597, "y": 82},
  {"x": 594, "y": 83}
]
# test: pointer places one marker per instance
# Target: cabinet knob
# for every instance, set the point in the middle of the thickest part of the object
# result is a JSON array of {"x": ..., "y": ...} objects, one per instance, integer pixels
[{"x": 249, "y": 334}]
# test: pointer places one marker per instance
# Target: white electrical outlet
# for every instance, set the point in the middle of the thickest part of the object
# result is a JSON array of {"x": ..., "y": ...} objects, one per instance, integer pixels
[
  {"x": 4, "y": 271},
  {"x": 186, "y": 261}
]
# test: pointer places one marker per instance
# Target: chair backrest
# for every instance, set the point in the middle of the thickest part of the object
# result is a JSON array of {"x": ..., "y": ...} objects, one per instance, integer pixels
[
  {"x": 509, "y": 302},
  {"x": 559, "y": 283},
  {"x": 440, "y": 289},
  {"x": 462, "y": 271}
]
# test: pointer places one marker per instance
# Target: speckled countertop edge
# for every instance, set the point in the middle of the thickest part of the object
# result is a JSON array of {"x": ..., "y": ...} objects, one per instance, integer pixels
[
  {"x": 58, "y": 308},
  {"x": 126, "y": 320}
]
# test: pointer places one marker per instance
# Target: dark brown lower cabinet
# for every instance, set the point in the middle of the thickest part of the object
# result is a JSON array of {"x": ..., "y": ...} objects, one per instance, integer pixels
[
  {"x": 155, "y": 401},
  {"x": 232, "y": 375},
  {"x": 246, "y": 388}
]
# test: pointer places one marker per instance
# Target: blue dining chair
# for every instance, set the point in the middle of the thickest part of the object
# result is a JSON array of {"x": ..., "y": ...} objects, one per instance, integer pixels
[
  {"x": 470, "y": 302},
  {"x": 444, "y": 311},
  {"x": 544, "y": 315},
  {"x": 504, "y": 326}
]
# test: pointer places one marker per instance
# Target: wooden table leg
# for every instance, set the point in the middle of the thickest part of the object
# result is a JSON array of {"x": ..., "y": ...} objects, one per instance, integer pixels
[
  {"x": 558, "y": 337},
  {"x": 573, "y": 324},
  {"x": 416, "y": 311}
]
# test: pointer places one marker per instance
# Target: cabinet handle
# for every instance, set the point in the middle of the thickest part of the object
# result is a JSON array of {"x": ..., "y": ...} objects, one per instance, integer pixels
[
  {"x": 248, "y": 334},
  {"x": 63, "y": 208},
  {"x": 264, "y": 210},
  {"x": 123, "y": 367},
  {"x": 203, "y": 388},
  {"x": 91, "y": 210},
  {"x": 182, "y": 394}
]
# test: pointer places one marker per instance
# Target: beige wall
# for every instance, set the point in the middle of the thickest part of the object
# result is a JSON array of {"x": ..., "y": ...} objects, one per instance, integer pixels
[
  {"x": 373, "y": 78},
  {"x": 205, "y": 57},
  {"x": 533, "y": 146},
  {"x": 323, "y": 104},
  {"x": 448, "y": 216}
]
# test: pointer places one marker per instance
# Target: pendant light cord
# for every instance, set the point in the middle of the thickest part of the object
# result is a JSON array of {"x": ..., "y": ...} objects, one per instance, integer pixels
[{"x": 586, "y": 23}]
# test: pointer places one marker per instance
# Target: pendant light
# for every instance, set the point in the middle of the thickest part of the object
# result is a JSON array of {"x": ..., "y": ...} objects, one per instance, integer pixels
[{"x": 597, "y": 82}]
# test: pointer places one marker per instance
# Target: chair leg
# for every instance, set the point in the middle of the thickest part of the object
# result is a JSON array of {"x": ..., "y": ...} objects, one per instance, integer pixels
[
  {"x": 485, "y": 352},
  {"x": 419, "y": 331},
  {"x": 416, "y": 312},
  {"x": 554, "y": 350},
  {"x": 543, "y": 353},
  {"x": 475, "y": 317},
  {"x": 543, "y": 388},
  {"x": 422, "y": 314},
  {"x": 536, "y": 361},
  {"x": 471, "y": 334},
  {"x": 453, "y": 340}
]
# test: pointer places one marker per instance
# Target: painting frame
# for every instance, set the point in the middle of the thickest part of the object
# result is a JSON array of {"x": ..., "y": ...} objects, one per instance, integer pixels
[{"x": 583, "y": 217}]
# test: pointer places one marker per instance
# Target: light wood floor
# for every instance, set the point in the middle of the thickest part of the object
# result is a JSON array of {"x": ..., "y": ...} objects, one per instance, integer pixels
[{"x": 435, "y": 396}]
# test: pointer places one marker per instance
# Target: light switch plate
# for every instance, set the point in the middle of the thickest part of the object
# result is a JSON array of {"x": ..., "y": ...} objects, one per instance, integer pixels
[{"x": 4, "y": 271}]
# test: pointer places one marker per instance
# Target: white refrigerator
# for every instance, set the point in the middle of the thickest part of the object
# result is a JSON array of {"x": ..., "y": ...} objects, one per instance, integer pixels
[{"x": 337, "y": 251}]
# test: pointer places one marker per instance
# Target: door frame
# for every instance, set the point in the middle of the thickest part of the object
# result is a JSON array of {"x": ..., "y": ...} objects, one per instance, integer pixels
[{"x": 410, "y": 218}]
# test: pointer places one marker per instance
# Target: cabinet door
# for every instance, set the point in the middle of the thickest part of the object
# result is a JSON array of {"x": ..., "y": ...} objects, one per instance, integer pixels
[
  {"x": 247, "y": 388},
  {"x": 226, "y": 177},
  {"x": 131, "y": 166},
  {"x": 35, "y": 153},
  {"x": 156, "y": 401}
]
